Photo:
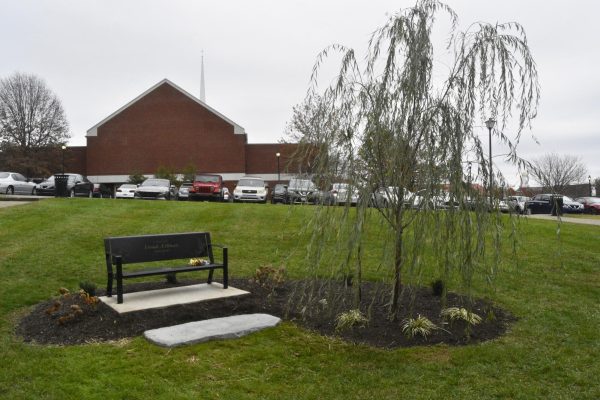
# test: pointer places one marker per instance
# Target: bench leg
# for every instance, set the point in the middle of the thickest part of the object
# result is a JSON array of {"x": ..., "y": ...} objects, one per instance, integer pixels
[
  {"x": 109, "y": 285},
  {"x": 210, "y": 276},
  {"x": 119, "y": 283},
  {"x": 225, "y": 277}
]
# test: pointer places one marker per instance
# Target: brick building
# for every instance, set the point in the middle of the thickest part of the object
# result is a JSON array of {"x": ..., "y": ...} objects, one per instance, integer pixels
[{"x": 166, "y": 126}]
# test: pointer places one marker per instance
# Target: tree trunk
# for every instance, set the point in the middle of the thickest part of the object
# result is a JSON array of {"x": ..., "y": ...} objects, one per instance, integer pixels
[
  {"x": 397, "y": 274},
  {"x": 358, "y": 283}
]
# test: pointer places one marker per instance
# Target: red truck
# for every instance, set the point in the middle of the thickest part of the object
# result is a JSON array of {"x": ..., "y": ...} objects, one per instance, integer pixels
[{"x": 207, "y": 187}]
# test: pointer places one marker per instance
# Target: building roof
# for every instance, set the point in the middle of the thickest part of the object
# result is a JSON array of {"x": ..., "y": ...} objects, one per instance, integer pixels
[{"x": 93, "y": 131}]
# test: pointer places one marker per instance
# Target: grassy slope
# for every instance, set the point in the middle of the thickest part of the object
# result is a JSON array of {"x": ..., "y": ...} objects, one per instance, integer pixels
[{"x": 551, "y": 352}]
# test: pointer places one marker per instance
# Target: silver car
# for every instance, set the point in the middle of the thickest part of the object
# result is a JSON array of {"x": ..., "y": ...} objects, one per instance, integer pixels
[
  {"x": 343, "y": 193},
  {"x": 184, "y": 191},
  {"x": 155, "y": 189},
  {"x": 15, "y": 183}
]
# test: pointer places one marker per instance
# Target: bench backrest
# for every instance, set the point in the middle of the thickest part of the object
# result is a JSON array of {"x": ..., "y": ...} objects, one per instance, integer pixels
[{"x": 146, "y": 248}]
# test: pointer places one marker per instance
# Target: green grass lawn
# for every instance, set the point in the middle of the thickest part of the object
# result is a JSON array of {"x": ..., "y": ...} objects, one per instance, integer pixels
[{"x": 551, "y": 352}]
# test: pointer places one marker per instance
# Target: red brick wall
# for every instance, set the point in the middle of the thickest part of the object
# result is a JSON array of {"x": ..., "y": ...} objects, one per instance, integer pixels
[
  {"x": 166, "y": 128},
  {"x": 261, "y": 158}
]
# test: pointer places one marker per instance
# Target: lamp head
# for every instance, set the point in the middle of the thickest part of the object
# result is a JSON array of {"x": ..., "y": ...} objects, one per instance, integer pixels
[
  {"x": 490, "y": 123},
  {"x": 277, "y": 154}
]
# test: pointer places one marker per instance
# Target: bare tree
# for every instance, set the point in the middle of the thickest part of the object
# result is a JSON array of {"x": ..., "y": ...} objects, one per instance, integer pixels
[
  {"x": 32, "y": 119},
  {"x": 402, "y": 132},
  {"x": 555, "y": 172}
]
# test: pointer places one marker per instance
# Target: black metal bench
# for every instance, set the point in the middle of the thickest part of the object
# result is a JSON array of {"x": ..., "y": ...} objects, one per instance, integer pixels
[{"x": 124, "y": 250}]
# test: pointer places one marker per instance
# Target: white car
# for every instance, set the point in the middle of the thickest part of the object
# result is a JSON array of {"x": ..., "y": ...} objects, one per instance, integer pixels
[
  {"x": 388, "y": 196},
  {"x": 126, "y": 191},
  {"x": 341, "y": 194},
  {"x": 517, "y": 203},
  {"x": 251, "y": 189},
  {"x": 226, "y": 194},
  {"x": 15, "y": 183},
  {"x": 184, "y": 191}
]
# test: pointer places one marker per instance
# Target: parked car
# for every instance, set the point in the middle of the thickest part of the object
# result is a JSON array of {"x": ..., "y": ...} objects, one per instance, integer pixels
[
  {"x": 77, "y": 185},
  {"x": 15, "y": 183},
  {"x": 544, "y": 203},
  {"x": 207, "y": 187},
  {"x": 226, "y": 195},
  {"x": 571, "y": 206},
  {"x": 251, "y": 189},
  {"x": 184, "y": 191},
  {"x": 516, "y": 203},
  {"x": 385, "y": 197},
  {"x": 155, "y": 189},
  {"x": 278, "y": 193},
  {"x": 301, "y": 191},
  {"x": 102, "y": 190},
  {"x": 343, "y": 193},
  {"x": 126, "y": 191},
  {"x": 591, "y": 205}
]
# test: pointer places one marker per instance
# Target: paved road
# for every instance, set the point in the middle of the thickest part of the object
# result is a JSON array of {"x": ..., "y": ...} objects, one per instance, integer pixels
[
  {"x": 9, "y": 203},
  {"x": 585, "y": 221}
]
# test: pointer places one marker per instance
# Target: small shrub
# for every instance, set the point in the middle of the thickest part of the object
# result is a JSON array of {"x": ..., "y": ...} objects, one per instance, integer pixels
[
  {"x": 53, "y": 309},
  {"x": 269, "y": 277},
  {"x": 437, "y": 287},
  {"x": 88, "y": 287},
  {"x": 420, "y": 326},
  {"x": 171, "y": 278},
  {"x": 87, "y": 298},
  {"x": 349, "y": 320},
  {"x": 453, "y": 314}
]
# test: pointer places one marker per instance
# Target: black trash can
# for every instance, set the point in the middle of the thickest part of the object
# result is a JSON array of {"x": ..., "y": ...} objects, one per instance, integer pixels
[
  {"x": 557, "y": 205},
  {"x": 60, "y": 185}
]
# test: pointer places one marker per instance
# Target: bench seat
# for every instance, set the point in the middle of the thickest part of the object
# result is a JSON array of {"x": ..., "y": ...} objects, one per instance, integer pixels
[{"x": 170, "y": 270}]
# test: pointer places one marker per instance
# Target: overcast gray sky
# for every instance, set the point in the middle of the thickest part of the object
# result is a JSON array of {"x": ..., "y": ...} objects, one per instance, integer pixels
[{"x": 258, "y": 55}]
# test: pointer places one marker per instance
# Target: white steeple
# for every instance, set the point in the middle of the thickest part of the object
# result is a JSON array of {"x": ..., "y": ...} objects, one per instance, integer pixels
[{"x": 202, "y": 94}]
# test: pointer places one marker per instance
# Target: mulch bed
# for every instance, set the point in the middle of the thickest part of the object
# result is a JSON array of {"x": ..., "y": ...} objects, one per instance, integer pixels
[{"x": 48, "y": 323}]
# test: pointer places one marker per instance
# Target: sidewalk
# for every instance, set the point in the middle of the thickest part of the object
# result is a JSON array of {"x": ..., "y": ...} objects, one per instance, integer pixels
[
  {"x": 8, "y": 203},
  {"x": 585, "y": 221}
]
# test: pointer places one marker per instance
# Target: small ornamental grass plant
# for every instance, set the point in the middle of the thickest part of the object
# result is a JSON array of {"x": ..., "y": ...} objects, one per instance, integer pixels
[
  {"x": 453, "y": 314},
  {"x": 349, "y": 320},
  {"x": 420, "y": 326},
  {"x": 269, "y": 277}
]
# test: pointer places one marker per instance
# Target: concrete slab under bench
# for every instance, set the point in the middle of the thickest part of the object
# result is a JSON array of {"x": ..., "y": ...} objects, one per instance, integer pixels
[{"x": 160, "y": 298}]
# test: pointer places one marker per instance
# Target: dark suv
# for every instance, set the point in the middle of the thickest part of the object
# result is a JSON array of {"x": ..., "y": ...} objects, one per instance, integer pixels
[
  {"x": 278, "y": 194},
  {"x": 207, "y": 187}
]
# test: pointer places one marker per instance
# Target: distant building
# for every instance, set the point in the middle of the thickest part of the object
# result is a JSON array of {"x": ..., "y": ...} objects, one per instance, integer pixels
[{"x": 166, "y": 126}]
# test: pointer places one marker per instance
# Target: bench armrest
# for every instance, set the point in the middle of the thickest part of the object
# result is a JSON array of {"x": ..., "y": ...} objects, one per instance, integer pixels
[{"x": 224, "y": 248}]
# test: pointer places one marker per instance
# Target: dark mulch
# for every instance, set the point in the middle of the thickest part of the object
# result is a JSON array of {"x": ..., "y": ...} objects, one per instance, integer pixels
[{"x": 100, "y": 323}]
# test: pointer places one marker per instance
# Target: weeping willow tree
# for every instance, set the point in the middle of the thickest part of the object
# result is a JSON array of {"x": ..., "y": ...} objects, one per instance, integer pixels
[{"x": 400, "y": 136}]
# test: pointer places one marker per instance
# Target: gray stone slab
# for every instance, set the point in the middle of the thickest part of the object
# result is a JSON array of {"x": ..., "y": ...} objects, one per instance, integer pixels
[{"x": 210, "y": 329}]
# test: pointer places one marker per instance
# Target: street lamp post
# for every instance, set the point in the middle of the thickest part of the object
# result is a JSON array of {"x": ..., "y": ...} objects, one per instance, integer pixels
[
  {"x": 278, "y": 175},
  {"x": 490, "y": 123},
  {"x": 63, "y": 158}
]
